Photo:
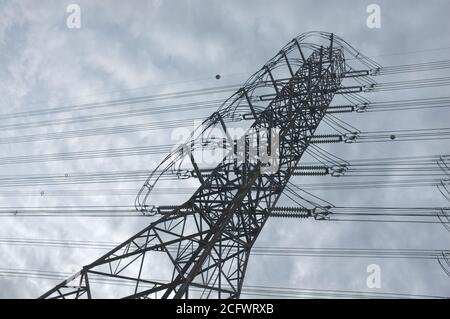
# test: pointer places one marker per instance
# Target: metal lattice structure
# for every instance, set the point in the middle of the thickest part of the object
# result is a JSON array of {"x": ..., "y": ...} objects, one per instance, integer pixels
[{"x": 203, "y": 245}]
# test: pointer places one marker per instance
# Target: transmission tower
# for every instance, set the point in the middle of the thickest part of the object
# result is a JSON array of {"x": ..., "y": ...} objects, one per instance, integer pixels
[{"x": 202, "y": 246}]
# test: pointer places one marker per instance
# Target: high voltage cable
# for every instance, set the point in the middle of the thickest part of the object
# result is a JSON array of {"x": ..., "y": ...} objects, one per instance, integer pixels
[
  {"x": 125, "y": 101},
  {"x": 412, "y": 166},
  {"x": 165, "y": 190},
  {"x": 410, "y": 84},
  {"x": 432, "y": 65},
  {"x": 248, "y": 289},
  {"x": 349, "y": 214},
  {"x": 393, "y": 166},
  {"x": 429, "y": 134},
  {"x": 188, "y": 190},
  {"x": 373, "y": 136},
  {"x": 371, "y": 184},
  {"x": 92, "y": 211},
  {"x": 110, "y": 115},
  {"x": 163, "y": 86},
  {"x": 370, "y": 214},
  {"x": 382, "y": 106},
  {"x": 381, "y": 161},
  {"x": 122, "y": 129},
  {"x": 105, "y": 153},
  {"x": 400, "y": 166},
  {"x": 414, "y": 67},
  {"x": 73, "y": 178},
  {"x": 408, "y": 104},
  {"x": 430, "y": 254},
  {"x": 134, "y": 100},
  {"x": 395, "y": 85},
  {"x": 406, "y": 52}
]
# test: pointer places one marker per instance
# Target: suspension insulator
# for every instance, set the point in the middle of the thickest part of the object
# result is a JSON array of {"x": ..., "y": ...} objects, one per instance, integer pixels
[
  {"x": 328, "y": 138},
  {"x": 310, "y": 171},
  {"x": 290, "y": 215},
  {"x": 291, "y": 209},
  {"x": 340, "y": 109}
]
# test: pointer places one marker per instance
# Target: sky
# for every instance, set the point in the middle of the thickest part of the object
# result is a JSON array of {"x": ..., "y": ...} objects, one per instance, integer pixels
[{"x": 135, "y": 48}]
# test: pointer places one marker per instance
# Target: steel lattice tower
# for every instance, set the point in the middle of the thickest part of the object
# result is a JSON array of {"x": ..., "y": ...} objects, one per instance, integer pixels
[{"x": 205, "y": 243}]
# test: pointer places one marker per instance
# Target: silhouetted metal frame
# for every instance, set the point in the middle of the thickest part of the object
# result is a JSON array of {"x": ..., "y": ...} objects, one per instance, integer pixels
[{"x": 208, "y": 239}]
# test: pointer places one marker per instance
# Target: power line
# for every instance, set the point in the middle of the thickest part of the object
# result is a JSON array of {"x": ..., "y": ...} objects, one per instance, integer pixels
[
  {"x": 122, "y": 102},
  {"x": 412, "y": 166},
  {"x": 414, "y": 67},
  {"x": 381, "y": 106},
  {"x": 427, "y": 215},
  {"x": 395, "y": 85},
  {"x": 382, "y": 136},
  {"x": 268, "y": 291},
  {"x": 427, "y": 254}
]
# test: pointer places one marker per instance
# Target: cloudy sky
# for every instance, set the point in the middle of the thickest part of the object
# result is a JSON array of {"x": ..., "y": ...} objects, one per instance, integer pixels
[{"x": 135, "y": 48}]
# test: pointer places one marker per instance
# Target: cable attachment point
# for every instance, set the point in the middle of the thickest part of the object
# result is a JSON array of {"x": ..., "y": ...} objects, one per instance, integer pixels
[
  {"x": 369, "y": 87},
  {"x": 338, "y": 170},
  {"x": 150, "y": 210},
  {"x": 184, "y": 174},
  {"x": 350, "y": 137},
  {"x": 321, "y": 213},
  {"x": 375, "y": 71},
  {"x": 361, "y": 108}
]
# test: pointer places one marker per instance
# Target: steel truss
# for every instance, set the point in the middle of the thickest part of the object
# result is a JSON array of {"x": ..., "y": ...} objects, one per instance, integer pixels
[{"x": 203, "y": 245}]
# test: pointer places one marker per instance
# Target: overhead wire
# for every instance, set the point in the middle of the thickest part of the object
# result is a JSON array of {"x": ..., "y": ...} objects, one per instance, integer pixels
[
  {"x": 412, "y": 166},
  {"x": 338, "y": 252},
  {"x": 259, "y": 290}
]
